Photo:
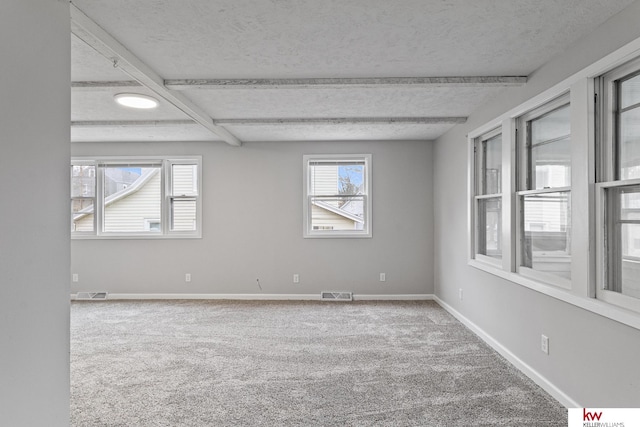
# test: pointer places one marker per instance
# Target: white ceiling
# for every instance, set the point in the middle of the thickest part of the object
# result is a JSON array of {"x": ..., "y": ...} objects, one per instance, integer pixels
[{"x": 307, "y": 69}]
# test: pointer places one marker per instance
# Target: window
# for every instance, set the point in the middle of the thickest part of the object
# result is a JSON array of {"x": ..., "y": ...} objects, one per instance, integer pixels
[
  {"x": 337, "y": 200},
  {"x": 83, "y": 197},
  {"x": 568, "y": 198},
  {"x": 488, "y": 198},
  {"x": 151, "y": 197},
  {"x": 618, "y": 190},
  {"x": 544, "y": 193}
]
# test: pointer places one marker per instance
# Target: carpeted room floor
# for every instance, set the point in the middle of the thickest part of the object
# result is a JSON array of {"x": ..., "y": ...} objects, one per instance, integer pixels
[{"x": 291, "y": 363}]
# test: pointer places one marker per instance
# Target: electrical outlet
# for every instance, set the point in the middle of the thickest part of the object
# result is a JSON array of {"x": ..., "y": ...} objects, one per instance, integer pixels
[
  {"x": 74, "y": 277},
  {"x": 296, "y": 278},
  {"x": 460, "y": 294},
  {"x": 544, "y": 344},
  {"x": 187, "y": 277},
  {"x": 383, "y": 277}
]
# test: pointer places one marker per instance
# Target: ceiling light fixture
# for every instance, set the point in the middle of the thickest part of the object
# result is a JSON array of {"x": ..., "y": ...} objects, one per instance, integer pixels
[{"x": 135, "y": 100}]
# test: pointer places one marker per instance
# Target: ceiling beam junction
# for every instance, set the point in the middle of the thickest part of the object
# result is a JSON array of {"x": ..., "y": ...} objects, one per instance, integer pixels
[
  {"x": 340, "y": 83},
  {"x": 96, "y": 37}
]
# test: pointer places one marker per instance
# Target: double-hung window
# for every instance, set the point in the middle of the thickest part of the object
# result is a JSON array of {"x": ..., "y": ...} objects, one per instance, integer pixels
[
  {"x": 337, "y": 195},
  {"x": 83, "y": 197},
  {"x": 564, "y": 218},
  {"x": 488, "y": 197},
  {"x": 544, "y": 193},
  {"x": 135, "y": 197},
  {"x": 618, "y": 188}
]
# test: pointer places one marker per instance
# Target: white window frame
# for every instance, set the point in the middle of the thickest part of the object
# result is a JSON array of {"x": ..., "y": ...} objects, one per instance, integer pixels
[
  {"x": 165, "y": 164},
  {"x": 586, "y": 192},
  {"x": 479, "y": 184},
  {"x": 308, "y": 231},
  {"x": 607, "y": 170},
  {"x": 94, "y": 198},
  {"x": 170, "y": 197},
  {"x": 522, "y": 136}
]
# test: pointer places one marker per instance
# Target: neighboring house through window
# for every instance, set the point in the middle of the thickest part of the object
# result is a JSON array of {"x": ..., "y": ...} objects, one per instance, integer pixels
[
  {"x": 151, "y": 197},
  {"x": 337, "y": 200}
]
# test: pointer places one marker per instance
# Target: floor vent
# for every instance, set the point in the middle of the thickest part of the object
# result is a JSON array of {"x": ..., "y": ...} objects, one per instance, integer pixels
[
  {"x": 91, "y": 295},
  {"x": 336, "y": 296}
]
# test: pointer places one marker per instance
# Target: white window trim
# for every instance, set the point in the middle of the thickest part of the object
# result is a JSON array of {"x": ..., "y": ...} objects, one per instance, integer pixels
[
  {"x": 165, "y": 162},
  {"x": 168, "y": 196},
  {"x": 478, "y": 183},
  {"x": 584, "y": 246},
  {"x": 308, "y": 232},
  {"x": 601, "y": 293},
  {"x": 94, "y": 198}
]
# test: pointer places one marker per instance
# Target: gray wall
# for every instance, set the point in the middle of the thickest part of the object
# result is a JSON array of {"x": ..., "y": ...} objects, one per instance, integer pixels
[
  {"x": 34, "y": 237},
  {"x": 592, "y": 359},
  {"x": 252, "y": 227}
]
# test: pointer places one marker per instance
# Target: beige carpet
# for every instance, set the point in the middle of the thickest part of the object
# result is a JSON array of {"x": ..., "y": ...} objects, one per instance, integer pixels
[{"x": 228, "y": 363}]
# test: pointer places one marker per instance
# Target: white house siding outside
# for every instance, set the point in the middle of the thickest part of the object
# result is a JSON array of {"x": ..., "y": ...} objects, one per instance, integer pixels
[
  {"x": 327, "y": 220},
  {"x": 324, "y": 181},
  {"x": 184, "y": 182},
  {"x": 137, "y": 211},
  {"x": 131, "y": 209}
]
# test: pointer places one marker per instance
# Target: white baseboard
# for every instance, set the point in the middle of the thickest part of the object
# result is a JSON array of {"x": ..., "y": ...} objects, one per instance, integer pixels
[
  {"x": 534, "y": 375},
  {"x": 263, "y": 297},
  {"x": 399, "y": 297}
]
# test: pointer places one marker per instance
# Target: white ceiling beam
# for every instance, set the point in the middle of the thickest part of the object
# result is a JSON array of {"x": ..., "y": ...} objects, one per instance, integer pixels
[
  {"x": 339, "y": 83},
  {"x": 344, "y": 121},
  {"x": 96, "y": 37},
  {"x": 277, "y": 121},
  {"x": 106, "y": 84},
  {"x": 131, "y": 123}
]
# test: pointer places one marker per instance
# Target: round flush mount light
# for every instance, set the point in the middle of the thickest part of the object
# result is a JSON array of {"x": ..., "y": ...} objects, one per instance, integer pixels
[{"x": 134, "y": 100}]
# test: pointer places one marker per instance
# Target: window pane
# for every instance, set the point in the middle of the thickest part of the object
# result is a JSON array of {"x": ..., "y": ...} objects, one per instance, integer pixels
[
  {"x": 493, "y": 165},
  {"x": 551, "y": 165},
  {"x": 629, "y": 144},
  {"x": 333, "y": 178},
  {"x": 132, "y": 198},
  {"x": 551, "y": 126},
  {"x": 337, "y": 213},
  {"x": 82, "y": 214},
  {"x": 549, "y": 153},
  {"x": 184, "y": 180},
  {"x": 490, "y": 227},
  {"x": 623, "y": 245},
  {"x": 83, "y": 181},
  {"x": 630, "y": 92},
  {"x": 547, "y": 233},
  {"x": 183, "y": 214}
]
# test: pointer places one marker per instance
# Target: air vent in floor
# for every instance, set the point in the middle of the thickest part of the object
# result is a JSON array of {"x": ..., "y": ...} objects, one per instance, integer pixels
[
  {"x": 336, "y": 296},
  {"x": 91, "y": 295}
]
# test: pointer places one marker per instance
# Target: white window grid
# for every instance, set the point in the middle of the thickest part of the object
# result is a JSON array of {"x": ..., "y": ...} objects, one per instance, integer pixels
[
  {"x": 166, "y": 197},
  {"x": 309, "y": 231},
  {"x": 587, "y": 190}
]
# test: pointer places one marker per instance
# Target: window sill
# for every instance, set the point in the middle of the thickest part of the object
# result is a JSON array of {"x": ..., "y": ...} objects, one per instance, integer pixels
[
  {"x": 618, "y": 314},
  {"x": 334, "y": 235},
  {"x": 135, "y": 236}
]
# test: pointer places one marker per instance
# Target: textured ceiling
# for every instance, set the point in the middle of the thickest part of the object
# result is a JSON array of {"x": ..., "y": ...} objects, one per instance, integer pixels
[{"x": 310, "y": 39}]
